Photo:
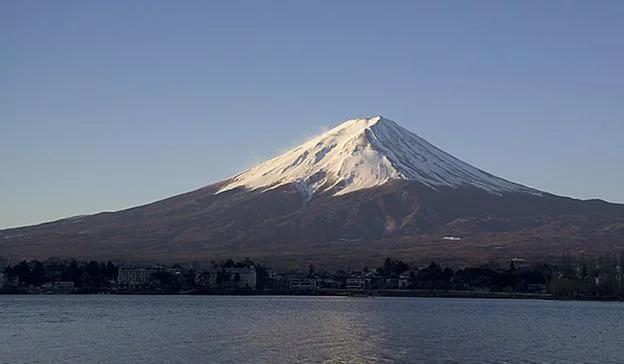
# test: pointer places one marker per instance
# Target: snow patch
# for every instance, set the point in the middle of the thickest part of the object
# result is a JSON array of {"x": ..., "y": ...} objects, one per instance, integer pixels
[{"x": 364, "y": 153}]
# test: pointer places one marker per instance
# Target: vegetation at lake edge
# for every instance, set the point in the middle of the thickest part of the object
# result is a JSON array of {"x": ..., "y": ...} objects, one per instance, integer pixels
[{"x": 581, "y": 276}]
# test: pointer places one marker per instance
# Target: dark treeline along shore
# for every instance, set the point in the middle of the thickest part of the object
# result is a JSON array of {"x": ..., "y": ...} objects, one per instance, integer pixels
[{"x": 579, "y": 277}]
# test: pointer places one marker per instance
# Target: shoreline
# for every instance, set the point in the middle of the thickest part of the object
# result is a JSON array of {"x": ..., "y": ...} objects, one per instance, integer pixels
[{"x": 351, "y": 293}]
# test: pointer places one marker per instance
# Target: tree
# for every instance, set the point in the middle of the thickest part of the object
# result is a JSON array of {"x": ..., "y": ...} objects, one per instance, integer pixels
[
  {"x": 222, "y": 277},
  {"x": 110, "y": 271},
  {"x": 22, "y": 272},
  {"x": 262, "y": 276},
  {"x": 37, "y": 275},
  {"x": 72, "y": 273},
  {"x": 434, "y": 277},
  {"x": 412, "y": 279},
  {"x": 229, "y": 263},
  {"x": 392, "y": 268}
]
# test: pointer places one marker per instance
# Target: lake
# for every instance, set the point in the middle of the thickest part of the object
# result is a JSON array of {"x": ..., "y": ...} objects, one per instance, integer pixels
[{"x": 182, "y": 329}]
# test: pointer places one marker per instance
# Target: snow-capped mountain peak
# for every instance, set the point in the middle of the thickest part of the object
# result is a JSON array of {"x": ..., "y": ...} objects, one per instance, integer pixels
[{"x": 364, "y": 153}]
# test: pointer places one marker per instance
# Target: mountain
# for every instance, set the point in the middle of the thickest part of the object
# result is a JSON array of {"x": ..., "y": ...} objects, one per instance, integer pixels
[
  {"x": 362, "y": 191},
  {"x": 366, "y": 153}
]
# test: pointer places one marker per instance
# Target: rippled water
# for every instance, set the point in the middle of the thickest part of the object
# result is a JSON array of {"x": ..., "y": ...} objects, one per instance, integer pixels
[{"x": 180, "y": 329}]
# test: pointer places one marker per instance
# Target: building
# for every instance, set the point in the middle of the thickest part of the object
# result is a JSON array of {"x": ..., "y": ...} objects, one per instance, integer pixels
[
  {"x": 330, "y": 283},
  {"x": 4, "y": 262},
  {"x": 537, "y": 288},
  {"x": 58, "y": 287},
  {"x": 301, "y": 284},
  {"x": 279, "y": 281},
  {"x": 244, "y": 277},
  {"x": 233, "y": 278},
  {"x": 355, "y": 283},
  {"x": 520, "y": 263},
  {"x": 133, "y": 277},
  {"x": 65, "y": 287},
  {"x": 177, "y": 272},
  {"x": 407, "y": 278},
  {"x": 374, "y": 280},
  {"x": 391, "y": 283}
]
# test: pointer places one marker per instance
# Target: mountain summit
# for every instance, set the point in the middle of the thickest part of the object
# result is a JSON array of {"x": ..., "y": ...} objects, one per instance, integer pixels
[
  {"x": 365, "y": 190},
  {"x": 364, "y": 153}
]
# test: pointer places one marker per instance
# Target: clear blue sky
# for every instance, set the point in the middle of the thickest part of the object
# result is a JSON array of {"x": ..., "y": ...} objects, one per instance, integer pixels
[{"x": 110, "y": 104}]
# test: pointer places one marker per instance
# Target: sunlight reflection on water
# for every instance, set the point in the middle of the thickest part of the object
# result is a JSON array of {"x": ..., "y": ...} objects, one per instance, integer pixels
[{"x": 148, "y": 329}]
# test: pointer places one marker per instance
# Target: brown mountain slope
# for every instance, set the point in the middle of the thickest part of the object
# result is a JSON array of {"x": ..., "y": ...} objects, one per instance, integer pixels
[{"x": 402, "y": 219}]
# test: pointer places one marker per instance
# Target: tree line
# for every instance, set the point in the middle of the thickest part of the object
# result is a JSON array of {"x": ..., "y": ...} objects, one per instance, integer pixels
[
  {"x": 578, "y": 276},
  {"x": 489, "y": 277},
  {"x": 589, "y": 276},
  {"x": 572, "y": 276},
  {"x": 89, "y": 274}
]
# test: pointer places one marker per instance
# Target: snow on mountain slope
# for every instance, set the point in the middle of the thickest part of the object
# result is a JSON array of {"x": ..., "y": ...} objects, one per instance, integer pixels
[{"x": 364, "y": 153}]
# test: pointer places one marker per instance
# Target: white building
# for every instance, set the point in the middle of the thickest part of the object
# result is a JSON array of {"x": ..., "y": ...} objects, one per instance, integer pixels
[{"x": 520, "y": 262}]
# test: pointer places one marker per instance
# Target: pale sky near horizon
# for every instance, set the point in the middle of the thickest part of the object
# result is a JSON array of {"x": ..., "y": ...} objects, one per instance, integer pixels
[{"x": 112, "y": 104}]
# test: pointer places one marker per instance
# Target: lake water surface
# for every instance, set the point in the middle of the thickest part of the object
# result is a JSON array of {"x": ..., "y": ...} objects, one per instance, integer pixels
[{"x": 182, "y": 329}]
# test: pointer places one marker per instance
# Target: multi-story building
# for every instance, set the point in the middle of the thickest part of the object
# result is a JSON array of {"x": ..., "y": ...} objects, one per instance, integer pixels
[
  {"x": 279, "y": 281},
  {"x": 244, "y": 278},
  {"x": 301, "y": 284},
  {"x": 132, "y": 277},
  {"x": 355, "y": 283}
]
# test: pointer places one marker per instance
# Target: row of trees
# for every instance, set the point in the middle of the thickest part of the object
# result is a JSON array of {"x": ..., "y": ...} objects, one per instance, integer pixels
[
  {"x": 589, "y": 276},
  {"x": 90, "y": 274},
  {"x": 93, "y": 276},
  {"x": 484, "y": 277},
  {"x": 575, "y": 276},
  {"x": 581, "y": 276}
]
